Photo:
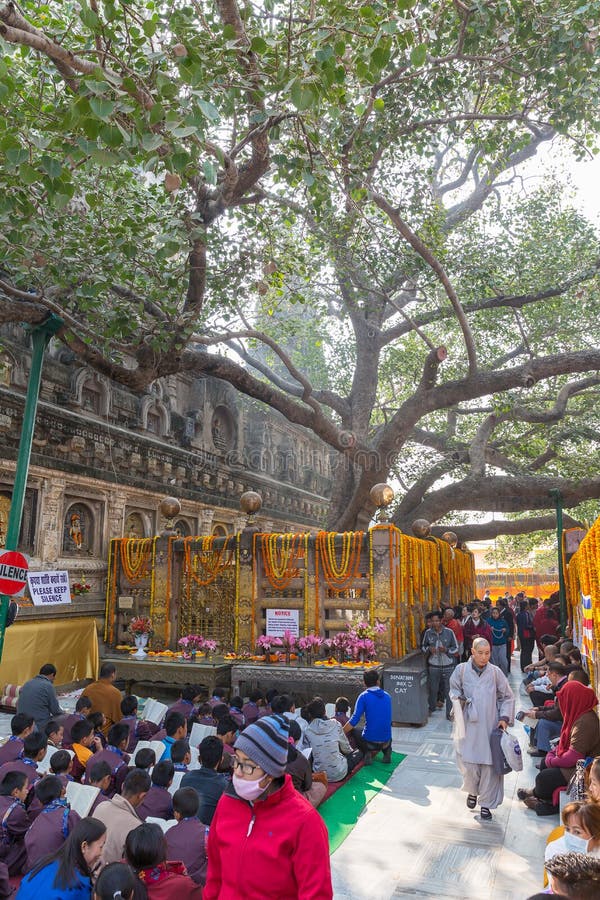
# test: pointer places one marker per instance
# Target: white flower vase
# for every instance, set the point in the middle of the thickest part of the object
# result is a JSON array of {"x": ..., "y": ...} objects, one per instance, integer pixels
[{"x": 141, "y": 641}]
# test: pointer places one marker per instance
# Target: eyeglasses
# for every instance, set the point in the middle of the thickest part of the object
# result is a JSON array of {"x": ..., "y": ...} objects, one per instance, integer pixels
[{"x": 245, "y": 767}]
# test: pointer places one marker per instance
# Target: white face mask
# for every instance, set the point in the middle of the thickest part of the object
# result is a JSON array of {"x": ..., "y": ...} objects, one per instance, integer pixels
[
  {"x": 575, "y": 844},
  {"x": 247, "y": 790}
]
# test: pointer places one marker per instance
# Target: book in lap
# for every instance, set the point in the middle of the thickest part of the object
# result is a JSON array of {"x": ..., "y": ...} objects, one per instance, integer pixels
[
  {"x": 154, "y": 711},
  {"x": 43, "y": 765},
  {"x": 176, "y": 783},
  {"x": 165, "y": 824},
  {"x": 199, "y": 732},
  {"x": 81, "y": 797},
  {"x": 157, "y": 746}
]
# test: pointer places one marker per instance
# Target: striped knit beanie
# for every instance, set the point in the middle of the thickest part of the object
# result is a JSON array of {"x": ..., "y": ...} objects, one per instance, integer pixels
[{"x": 266, "y": 743}]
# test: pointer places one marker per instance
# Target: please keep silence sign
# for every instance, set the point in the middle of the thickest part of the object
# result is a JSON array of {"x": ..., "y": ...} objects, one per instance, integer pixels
[
  {"x": 281, "y": 620},
  {"x": 49, "y": 588}
]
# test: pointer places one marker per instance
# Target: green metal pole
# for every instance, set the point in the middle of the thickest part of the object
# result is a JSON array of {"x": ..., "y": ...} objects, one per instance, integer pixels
[
  {"x": 40, "y": 335},
  {"x": 562, "y": 594}
]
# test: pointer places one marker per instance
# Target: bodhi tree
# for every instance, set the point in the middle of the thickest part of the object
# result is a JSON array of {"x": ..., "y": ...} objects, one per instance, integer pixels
[{"x": 316, "y": 202}]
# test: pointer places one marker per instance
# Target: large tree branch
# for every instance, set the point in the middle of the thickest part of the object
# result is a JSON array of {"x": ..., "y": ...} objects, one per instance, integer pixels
[
  {"x": 433, "y": 262},
  {"x": 486, "y": 531},
  {"x": 500, "y": 301}
]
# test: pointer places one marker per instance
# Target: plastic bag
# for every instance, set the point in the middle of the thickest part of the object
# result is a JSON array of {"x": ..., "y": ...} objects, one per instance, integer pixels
[{"x": 512, "y": 751}]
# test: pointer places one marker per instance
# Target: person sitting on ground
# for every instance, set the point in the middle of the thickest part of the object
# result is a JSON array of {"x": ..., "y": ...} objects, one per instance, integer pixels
[
  {"x": 266, "y": 709},
  {"x": 114, "y": 754},
  {"x": 219, "y": 696},
  {"x": 100, "y": 776},
  {"x": 575, "y": 876},
  {"x": 332, "y": 753},
  {"x": 575, "y": 657},
  {"x": 545, "y": 622},
  {"x": 204, "y": 715},
  {"x": 158, "y": 802},
  {"x": 54, "y": 734},
  {"x": 208, "y": 783},
  {"x": 146, "y": 853},
  {"x": 55, "y": 822},
  {"x": 187, "y": 840},
  {"x": 20, "y": 726},
  {"x": 139, "y": 729},
  {"x": 176, "y": 730},
  {"x": 82, "y": 707},
  {"x": 181, "y": 755},
  {"x": 189, "y": 697},
  {"x": 235, "y": 711},
  {"x": 119, "y": 814},
  {"x": 104, "y": 695},
  {"x": 251, "y": 709},
  {"x": 342, "y": 705},
  {"x": 227, "y": 731},
  {"x": 581, "y": 832},
  {"x": 68, "y": 872},
  {"x": 15, "y": 821},
  {"x": 579, "y": 674},
  {"x": 37, "y": 697},
  {"x": 285, "y": 705},
  {"x": 547, "y": 716},
  {"x": 593, "y": 781},
  {"x": 34, "y": 750},
  {"x": 145, "y": 759},
  {"x": 579, "y": 738},
  {"x": 116, "y": 881},
  {"x": 61, "y": 764},
  {"x": 84, "y": 744},
  {"x": 219, "y": 711},
  {"x": 312, "y": 787},
  {"x": 294, "y": 861},
  {"x": 98, "y": 720},
  {"x": 375, "y": 705}
]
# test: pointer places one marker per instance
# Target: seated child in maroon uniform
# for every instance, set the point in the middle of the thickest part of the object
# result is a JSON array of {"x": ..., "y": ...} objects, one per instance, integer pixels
[
  {"x": 158, "y": 801},
  {"x": 116, "y": 757},
  {"x": 54, "y": 823},
  {"x": 187, "y": 840},
  {"x": 20, "y": 726},
  {"x": 139, "y": 729},
  {"x": 14, "y": 821},
  {"x": 100, "y": 777},
  {"x": 82, "y": 735}
]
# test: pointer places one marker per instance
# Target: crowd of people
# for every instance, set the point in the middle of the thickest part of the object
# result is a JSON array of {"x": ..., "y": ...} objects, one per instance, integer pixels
[
  {"x": 468, "y": 654},
  {"x": 242, "y": 821}
]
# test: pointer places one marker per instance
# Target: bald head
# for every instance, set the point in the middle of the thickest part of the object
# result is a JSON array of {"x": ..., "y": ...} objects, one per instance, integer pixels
[{"x": 480, "y": 652}]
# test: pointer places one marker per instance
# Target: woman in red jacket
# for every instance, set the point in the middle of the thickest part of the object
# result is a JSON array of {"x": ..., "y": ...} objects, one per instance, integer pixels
[
  {"x": 146, "y": 852},
  {"x": 266, "y": 842}
]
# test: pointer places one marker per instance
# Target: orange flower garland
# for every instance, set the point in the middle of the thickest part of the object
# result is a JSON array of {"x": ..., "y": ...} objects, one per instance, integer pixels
[
  {"x": 135, "y": 558},
  {"x": 212, "y": 561},
  {"x": 280, "y": 553},
  {"x": 339, "y": 575}
]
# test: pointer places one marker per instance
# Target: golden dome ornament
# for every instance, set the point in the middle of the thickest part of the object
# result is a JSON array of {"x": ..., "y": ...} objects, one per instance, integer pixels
[
  {"x": 250, "y": 503},
  {"x": 382, "y": 495},
  {"x": 451, "y": 538},
  {"x": 169, "y": 508}
]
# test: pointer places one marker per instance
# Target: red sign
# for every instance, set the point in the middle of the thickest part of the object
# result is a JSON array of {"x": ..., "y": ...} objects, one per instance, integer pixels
[{"x": 13, "y": 572}]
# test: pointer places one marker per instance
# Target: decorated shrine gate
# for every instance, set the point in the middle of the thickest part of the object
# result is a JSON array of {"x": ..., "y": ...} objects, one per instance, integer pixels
[{"x": 222, "y": 587}]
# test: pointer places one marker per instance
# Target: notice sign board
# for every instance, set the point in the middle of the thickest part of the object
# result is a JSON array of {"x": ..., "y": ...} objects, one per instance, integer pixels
[
  {"x": 282, "y": 620},
  {"x": 49, "y": 588}
]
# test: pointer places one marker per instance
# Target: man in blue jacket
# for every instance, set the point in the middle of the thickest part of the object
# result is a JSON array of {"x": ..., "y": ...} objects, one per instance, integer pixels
[{"x": 375, "y": 705}]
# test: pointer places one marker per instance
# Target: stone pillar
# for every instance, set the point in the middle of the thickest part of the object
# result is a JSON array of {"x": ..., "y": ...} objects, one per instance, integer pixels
[
  {"x": 239, "y": 523},
  {"x": 244, "y": 613},
  {"x": 49, "y": 542},
  {"x": 382, "y": 600},
  {"x": 205, "y": 520}
]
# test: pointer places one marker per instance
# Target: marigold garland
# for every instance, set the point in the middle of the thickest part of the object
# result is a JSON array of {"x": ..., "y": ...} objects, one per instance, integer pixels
[
  {"x": 211, "y": 561},
  {"x": 339, "y": 575},
  {"x": 135, "y": 558},
  {"x": 280, "y": 553}
]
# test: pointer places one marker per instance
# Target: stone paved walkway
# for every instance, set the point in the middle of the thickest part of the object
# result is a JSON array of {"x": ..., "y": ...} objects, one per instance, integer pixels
[{"x": 418, "y": 839}]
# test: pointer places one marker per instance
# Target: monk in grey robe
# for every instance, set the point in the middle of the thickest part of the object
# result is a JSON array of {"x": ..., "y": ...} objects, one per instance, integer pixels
[{"x": 482, "y": 701}]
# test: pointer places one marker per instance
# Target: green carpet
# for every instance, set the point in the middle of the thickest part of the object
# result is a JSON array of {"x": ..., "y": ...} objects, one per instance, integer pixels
[{"x": 341, "y": 811}]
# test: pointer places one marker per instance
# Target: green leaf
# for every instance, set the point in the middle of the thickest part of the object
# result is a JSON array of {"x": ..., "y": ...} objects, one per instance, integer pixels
[
  {"x": 51, "y": 166},
  {"x": 17, "y": 155},
  {"x": 229, "y": 33},
  {"x": 209, "y": 109},
  {"x": 149, "y": 28},
  {"x": 28, "y": 174},
  {"x": 418, "y": 54},
  {"x": 151, "y": 141},
  {"x": 102, "y": 107},
  {"x": 258, "y": 45}
]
